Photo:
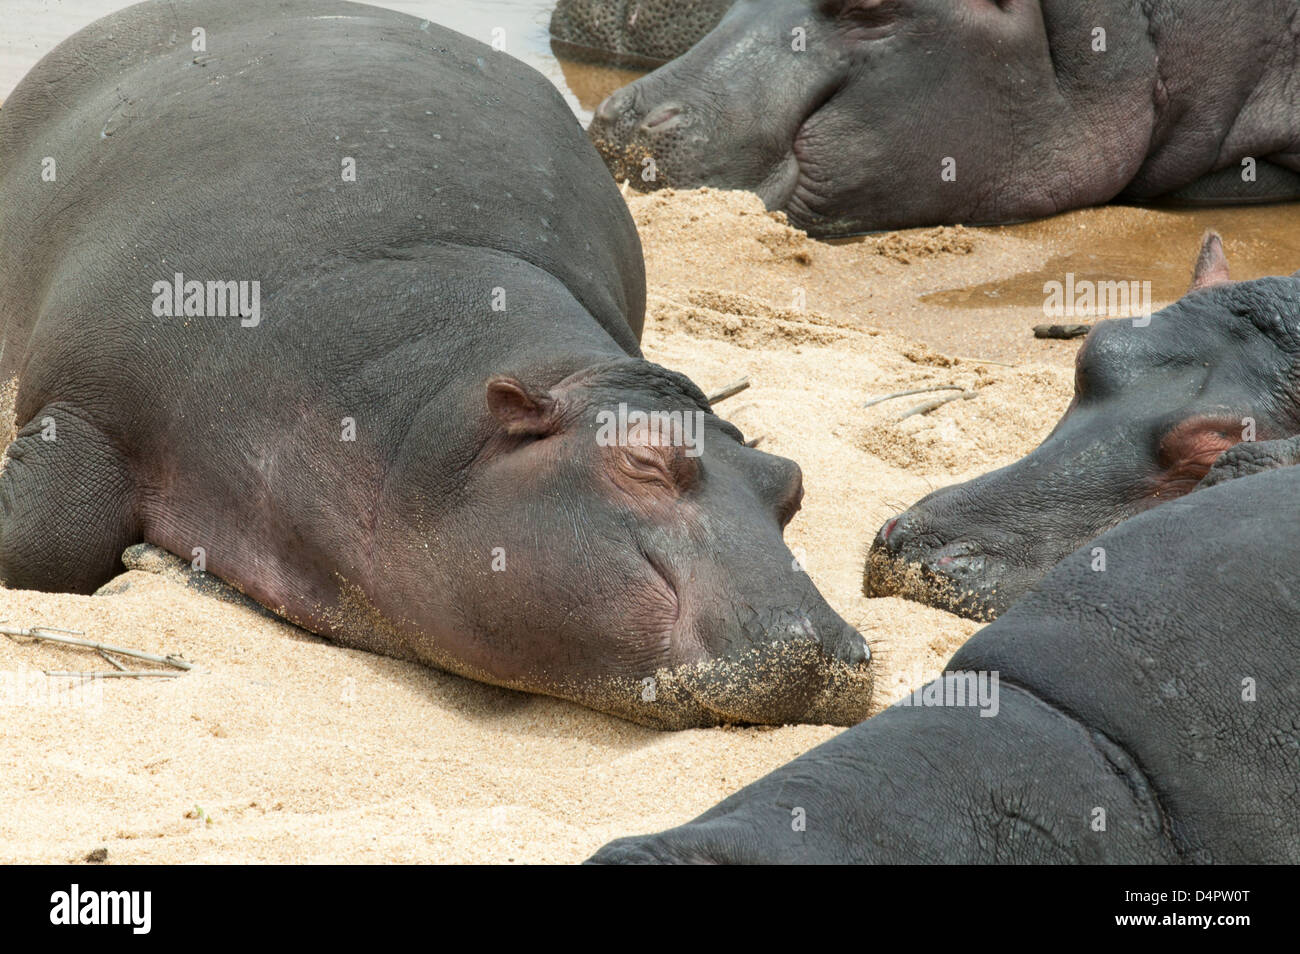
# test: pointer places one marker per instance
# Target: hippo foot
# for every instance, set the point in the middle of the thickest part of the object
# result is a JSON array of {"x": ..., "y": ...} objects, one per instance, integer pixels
[{"x": 147, "y": 558}]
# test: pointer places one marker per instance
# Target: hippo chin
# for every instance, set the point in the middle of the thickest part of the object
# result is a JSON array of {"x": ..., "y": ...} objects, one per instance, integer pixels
[
  {"x": 1144, "y": 715},
  {"x": 859, "y": 115},
  {"x": 302, "y": 310},
  {"x": 1204, "y": 390}
]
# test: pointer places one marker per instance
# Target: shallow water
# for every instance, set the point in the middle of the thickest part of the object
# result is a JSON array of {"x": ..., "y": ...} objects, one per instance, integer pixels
[
  {"x": 1260, "y": 240},
  {"x": 34, "y": 27}
]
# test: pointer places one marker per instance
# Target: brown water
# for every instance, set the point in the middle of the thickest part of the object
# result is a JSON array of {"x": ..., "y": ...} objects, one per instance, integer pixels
[
  {"x": 34, "y": 27},
  {"x": 1260, "y": 240}
]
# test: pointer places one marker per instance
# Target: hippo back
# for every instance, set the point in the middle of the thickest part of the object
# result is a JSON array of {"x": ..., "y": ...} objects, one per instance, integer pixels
[{"x": 165, "y": 158}]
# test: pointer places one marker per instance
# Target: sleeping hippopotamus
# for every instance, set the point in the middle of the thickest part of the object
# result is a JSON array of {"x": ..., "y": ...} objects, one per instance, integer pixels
[
  {"x": 856, "y": 115},
  {"x": 633, "y": 32},
  {"x": 302, "y": 309},
  {"x": 1141, "y": 715},
  {"x": 1205, "y": 390}
]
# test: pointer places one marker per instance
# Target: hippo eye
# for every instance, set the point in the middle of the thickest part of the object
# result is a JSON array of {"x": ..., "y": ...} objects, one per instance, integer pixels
[
  {"x": 668, "y": 467},
  {"x": 864, "y": 12},
  {"x": 790, "y": 506},
  {"x": 1081, "y": 381}
]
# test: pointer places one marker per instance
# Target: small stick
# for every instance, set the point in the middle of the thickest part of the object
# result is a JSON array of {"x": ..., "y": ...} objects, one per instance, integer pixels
[
  {"x": 43, "y": 633},
  {"x": 1061, "y": 332},
  {"x": 929, "y": 406},
  {"x": 112, "y": 662},
  {"x": 899, "y": 394},
  {"x": 1000, "y": 364},
  {"x": 110, "y": 674},
  {"x": 729, "y": 391}
]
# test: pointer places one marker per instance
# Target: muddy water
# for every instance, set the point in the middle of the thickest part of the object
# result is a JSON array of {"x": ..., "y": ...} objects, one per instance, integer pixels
[
  {"x": 33, "y": 27},
  {"x": 1261, "y": 240}
]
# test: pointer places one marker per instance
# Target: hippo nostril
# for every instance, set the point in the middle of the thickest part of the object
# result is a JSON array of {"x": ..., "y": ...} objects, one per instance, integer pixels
[
  {"x": 854, "y": 649},
  {"x": 614, "y": 105},
  {"x": 894, "y": 535},
  {"x": 958, "y": 561},
  {"x": 661, "y": 116}
]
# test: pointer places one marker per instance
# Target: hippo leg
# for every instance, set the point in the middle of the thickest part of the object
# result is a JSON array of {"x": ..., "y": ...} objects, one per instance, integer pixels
[
  {"x": 1252, "y": 457},
  {"x": 1272, "y": 183},
  {"x": 67, "y": 505}
]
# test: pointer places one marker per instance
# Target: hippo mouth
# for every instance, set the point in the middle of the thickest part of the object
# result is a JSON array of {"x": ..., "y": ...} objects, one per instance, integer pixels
[
  {"x": 792, "y": 182},
  {"x": 957, "y": 577}
]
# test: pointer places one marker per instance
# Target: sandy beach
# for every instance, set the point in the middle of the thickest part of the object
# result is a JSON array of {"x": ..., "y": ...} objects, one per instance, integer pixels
[{"x": 278, "y": 746}]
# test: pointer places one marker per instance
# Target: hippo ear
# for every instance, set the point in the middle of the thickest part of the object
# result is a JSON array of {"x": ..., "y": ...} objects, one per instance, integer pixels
[
  {"x": 520, "y": 409},
  {"x": 1211, "y": 264}
]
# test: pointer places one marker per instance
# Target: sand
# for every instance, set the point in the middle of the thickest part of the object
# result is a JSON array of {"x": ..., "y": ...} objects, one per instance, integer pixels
[{"x": 279, "y": 747}]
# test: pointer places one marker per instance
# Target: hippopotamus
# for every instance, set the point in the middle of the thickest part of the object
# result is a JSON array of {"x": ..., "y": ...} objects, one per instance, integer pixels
[
  {"x": 1141, "y": 715},
  {"x": 1162, "y": 405},
  {"x": 858, "y": 115},
  {"x": 633, "y": 32},
  {"x": 301, "y": 308}
]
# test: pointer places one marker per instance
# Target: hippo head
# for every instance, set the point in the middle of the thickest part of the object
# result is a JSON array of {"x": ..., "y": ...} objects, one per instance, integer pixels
[
  {"x": 632, "y": 560},
  {"x": 859, "y": 115},
  {"x": 1155, "y": 405}
]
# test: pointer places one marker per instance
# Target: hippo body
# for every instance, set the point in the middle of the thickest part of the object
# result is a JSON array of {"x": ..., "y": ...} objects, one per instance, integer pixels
[
  {"x": 1145, "y": 714},
  {"x": 633, "y": 32},
  {"x": 1201, "y": 391},
  {"x": 859, "y": 115},
  {"x": 391, "y": 434}
]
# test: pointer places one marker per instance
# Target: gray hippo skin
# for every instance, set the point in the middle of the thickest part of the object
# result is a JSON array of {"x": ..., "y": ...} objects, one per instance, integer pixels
[
  {"x": 900, "y": 113},
  {"x": 1145, "y": 714},
  {"x": 633, "y": 32},
  {"x": 399, "y": 445},
  {"x": 1208, "y": 389}
]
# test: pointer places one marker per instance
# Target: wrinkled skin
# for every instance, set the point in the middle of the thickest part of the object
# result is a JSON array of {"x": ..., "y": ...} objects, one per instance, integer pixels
[
  {"x": 902, "y": 113},
  {"x": 1123, "y": 691},
  {"x": 633, "y": 32},
  {"x": 1155, "y": 407},
  {"x": 475, "y": 522}
]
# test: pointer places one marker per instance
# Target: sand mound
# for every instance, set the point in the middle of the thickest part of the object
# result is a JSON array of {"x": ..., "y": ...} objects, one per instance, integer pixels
[{"x": 281, "y": 747}]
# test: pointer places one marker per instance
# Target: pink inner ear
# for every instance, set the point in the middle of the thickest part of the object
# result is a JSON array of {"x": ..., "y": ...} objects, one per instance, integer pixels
[
  {"x": 519, "y": 409},
  {"x": 1190, "y": 449},
  {"x": 1211, "y": 263}
]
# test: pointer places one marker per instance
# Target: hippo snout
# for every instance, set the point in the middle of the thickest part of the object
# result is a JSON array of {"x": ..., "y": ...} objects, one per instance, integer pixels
[
  {"x": 792, "y": 666},
  {"x": 645, "y": 140},
  {"x": 620, "y": 103},
  {"x": 908, "y": 558}
]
